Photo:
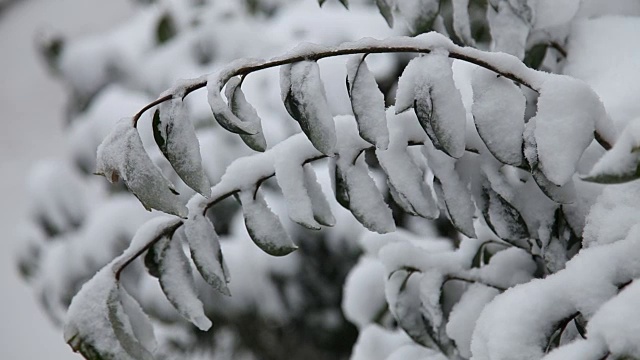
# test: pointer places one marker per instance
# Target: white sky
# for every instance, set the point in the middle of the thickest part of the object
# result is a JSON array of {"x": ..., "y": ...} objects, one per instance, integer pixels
[{"x": 31, "y": 128}]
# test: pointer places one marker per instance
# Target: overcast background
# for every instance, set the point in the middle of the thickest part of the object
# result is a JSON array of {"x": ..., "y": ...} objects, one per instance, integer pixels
[{"x": 31, "y": 128}]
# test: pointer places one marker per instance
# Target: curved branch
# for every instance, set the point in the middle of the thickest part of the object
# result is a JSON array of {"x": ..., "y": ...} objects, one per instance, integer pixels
[{"x": 502, "y": 64}]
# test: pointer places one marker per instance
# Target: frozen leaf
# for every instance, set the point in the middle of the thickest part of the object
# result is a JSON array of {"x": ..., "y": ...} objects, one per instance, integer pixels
[
  {"x": 241, "y": 108},
  {"x": 304, "y": 98},
  {"x": 176, "y": 280},
  {"x": 319, "y": 205},
  {"x": 461, "y": 23},
  {"x": 89, "y": 328},
  {"x": 502, "y": 217},
  {"x": 419, "y": 14},
  {"x": 400, "y": 200},
  {"x": 176, "y": 137},
  {"x": 122, "y": 155},
  {"x": 403, "y": 295},
  {"x": 386, "y": 10},
  {"x": 345, "y": 3},
  {"x": 564, "y": 125},
  {"x": 338, "y": 183},
  {"x": 367, "y": 102},
  {"x": 264, "y": 227},
  {"x": 455, "y": 194},
  {"x": 206, "y": 254},
  {"x": 125, "y": 330},
  {"x": 498, "y": 111},
  {"x": 622, "y": 162},
  {"x": 408, "y": 181},
  {"x": 222, "y": 112},
  {"x": 166, "y": 29},
  {"x": 438, "y": 104},
  {"x": 291, "y": 179},
  {"x": 365, "y": 200},
  {"x": 509, "y": 31},
  {"x": 405, "y": 94}
]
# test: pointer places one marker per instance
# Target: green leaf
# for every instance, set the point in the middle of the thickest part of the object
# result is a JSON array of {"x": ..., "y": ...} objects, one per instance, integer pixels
[
  {"x": 264, "y": 227},
  {"x": 166, "y": 29},
  {"x": 385, "y": 10}
]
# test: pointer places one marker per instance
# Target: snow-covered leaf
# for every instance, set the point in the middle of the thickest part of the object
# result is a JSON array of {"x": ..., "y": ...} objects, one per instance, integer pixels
[
  {"x": 292, "y": 180},
  {"x": 206, "y": 254},
  {"x": 455, "y": 194},
  {"x": 264, "y": 227},
  {"x": 498, "y": 112},
  {"x": 408, "y": 180},
  {"x": 177, "y": 282},
  {"x": 241, "y": 108},
  {"x": 622, "y": 162},
  {"x": 100, "y": 326},
  {"x": 122, "y": 155},
  {"x": 419, "y": 14},
  {"x": 125, "y": 330},
  {"x": 345, "y": 3},
  {"x": 365, "y": 200},
  {"x": 564, "y": 125},
  {"x": 509, "y": 31},
  {"x": 461, "y": 22},
  {"x": 367, "y": 102},
  {"x": 222, "y": 112},
  {"x": 338, "y": 184},
  {"x": 438, "y": 103},
  {"x": 502, "y": 217},
  {"x": 386, "y": 10},
  {"x": 176, "y": 137},
  {"x": 319, "y": 204},
  {"x": 304, "y": 98}
]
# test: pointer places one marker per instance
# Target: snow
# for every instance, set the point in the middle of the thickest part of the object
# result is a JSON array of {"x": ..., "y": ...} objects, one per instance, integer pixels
[
  {"x": 463, "y": 316},
  {"x": 264, "y": 226},
  {"x": 461, "y": 23},
  {"x": 178, "y": 141},
  {"x": 122, "y": 155},
  {"x": 498, "y": 112},
  {"x": 617, "y": 323},
  {"x": 367, "y": 102},
  {"x": 564, "y": 125},
  {"x": 303, "y": 93},
  {"x": 221, "y": 111},
  {"x": 551, "y": 13},
  {"x": 515, "y": 323},
  {"x": 509, "y": 31},
  {"x": 363, "y": 295},
  {"x": 417, "y": 12},
  {"x": 613, "y": 215},
  {"x": 377, "y": 343},
  {"x": 620, "y": 164}
]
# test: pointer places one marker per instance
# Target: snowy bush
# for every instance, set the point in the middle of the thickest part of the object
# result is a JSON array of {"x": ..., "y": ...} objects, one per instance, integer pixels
[{"x": 471, "y": 167}]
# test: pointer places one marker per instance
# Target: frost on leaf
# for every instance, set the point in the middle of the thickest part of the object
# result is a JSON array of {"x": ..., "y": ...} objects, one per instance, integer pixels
[
  {"x": 319, "y": 204},
  {"x": 365, "y": 200},
  {"x": 104, "y": 322},
  {"x": 292, "y": 181},
  {"x": 622, "y": 162},
  {"x": 498, "y": 111},
  {"x": 177, "y": 282},
  {"x": 176, "y": 137},
  {"x": 304, "y": 98},
  {"x": 367, "y": 102},
  {"x": 427, "y": 85},
  {"x": 122, "y": 155},
  {"x": 264, "y": 227},
  {"x": 206, "y": 254},
  {"x": 564, "y": 125},
  {"x": 241, "y": 108},
  {"x": 455, "y": 194}
]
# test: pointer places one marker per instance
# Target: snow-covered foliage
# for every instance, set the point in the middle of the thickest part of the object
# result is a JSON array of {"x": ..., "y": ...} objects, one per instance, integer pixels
[{"x": 469, "y": 220}]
